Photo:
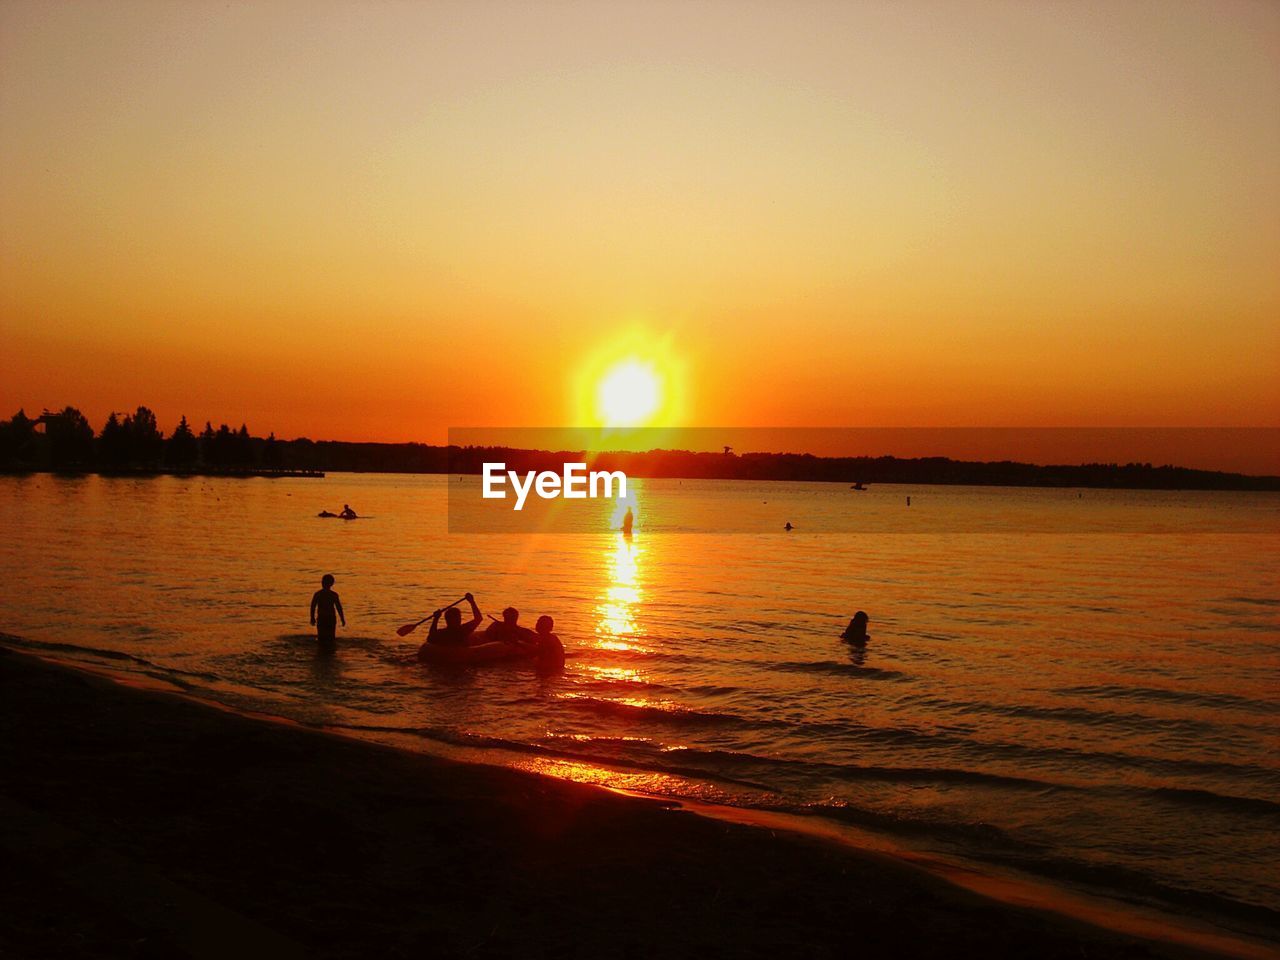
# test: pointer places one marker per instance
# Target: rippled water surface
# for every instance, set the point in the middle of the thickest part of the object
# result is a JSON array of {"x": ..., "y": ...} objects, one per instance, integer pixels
[{"x": 1103, "y": 708}]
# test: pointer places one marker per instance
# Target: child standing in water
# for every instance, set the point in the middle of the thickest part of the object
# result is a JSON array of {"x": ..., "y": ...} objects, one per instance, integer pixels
[
  {"x": 326, "y": 610},
  {"x": 550, "y": 657}
]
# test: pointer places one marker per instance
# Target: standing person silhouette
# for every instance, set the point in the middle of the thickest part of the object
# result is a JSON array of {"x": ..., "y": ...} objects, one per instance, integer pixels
[{"x": 326, "y": 610}]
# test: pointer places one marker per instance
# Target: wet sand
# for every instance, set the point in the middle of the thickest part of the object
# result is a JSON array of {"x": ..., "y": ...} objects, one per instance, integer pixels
[{"x": 137, "y": 823}]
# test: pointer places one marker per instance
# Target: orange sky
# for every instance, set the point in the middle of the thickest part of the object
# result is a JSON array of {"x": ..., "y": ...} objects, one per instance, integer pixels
[{"x": 374, "y": 221}]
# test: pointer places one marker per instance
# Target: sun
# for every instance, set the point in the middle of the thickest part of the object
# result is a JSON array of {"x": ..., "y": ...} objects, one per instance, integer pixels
[
  {"x": 629, "y": 394},
  {"x": 630, "y": 389}
]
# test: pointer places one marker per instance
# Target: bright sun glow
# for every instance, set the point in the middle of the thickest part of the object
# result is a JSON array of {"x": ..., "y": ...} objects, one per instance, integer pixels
[{"x": 629, "y": 395}]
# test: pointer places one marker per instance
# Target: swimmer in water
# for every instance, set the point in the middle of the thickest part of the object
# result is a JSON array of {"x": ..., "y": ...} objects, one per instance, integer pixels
[
  {"x": 550, "y": 657},
  {"x": 856, "y": 631}
]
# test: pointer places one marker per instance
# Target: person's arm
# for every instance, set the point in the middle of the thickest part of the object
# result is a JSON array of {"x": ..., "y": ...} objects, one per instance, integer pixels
[
  {"x": 314, "y": 598},
  {"x": 475, "y": 611},
  {"x": 338, "y": 603},
  {"x": 435, "y": 626}
]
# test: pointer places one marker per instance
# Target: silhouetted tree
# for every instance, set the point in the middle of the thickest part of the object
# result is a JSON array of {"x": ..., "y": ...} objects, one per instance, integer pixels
[
  {"x": 207, "y": 439},
  {"x": 304, "y": 453},
  {"x": 146, "y": 442},
  {"x": 70, "y": 440},
  {"x": 18, "y": 441},
  {"x": 242, "y": 448},
  {"x": 223, "y": 442},
  {"x": 182, "y": 449},
  {"x": 113, "y": 444},
  {"x": 271, "y": 453}
]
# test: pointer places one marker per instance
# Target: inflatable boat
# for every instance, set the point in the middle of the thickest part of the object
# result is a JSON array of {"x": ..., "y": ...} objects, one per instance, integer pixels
[{"x": 493, "y": 652}]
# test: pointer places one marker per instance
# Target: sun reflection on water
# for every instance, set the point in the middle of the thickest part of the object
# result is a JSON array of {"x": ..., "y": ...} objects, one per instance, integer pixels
[
  {"x": 617, "y": 608},
  {"x": 617, "y": 674}
]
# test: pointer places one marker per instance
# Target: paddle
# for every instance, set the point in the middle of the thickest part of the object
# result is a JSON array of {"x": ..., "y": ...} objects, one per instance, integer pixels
[{"x": 408, "y": 628}]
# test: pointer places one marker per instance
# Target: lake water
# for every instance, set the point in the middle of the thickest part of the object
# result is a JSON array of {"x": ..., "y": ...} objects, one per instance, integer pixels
[{"x": 1096, "y": 708}]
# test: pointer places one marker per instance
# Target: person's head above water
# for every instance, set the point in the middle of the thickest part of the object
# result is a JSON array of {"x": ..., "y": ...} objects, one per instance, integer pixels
[
  {"x": 545, "y": 624},
  {"x": 452, "y": 617},
  {"x": 510, "y": 616},
  {"x": 857, "y": 629},
  {"x": 326, "y": 581}
]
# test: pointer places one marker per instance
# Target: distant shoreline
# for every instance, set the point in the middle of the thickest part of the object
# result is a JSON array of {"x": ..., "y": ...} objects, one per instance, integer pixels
[
  {"x": 862, "y": 472},
  {"x": 65, "y": 442}
]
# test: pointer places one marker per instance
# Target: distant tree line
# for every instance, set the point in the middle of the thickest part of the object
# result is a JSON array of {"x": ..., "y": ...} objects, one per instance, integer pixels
[
  {"x": 866, "y": 470},
  {"x": 133, "y": 443},
  {"x": 64, "y": 441}
]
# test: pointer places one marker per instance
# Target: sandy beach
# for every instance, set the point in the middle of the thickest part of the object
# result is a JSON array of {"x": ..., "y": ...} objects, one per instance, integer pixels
[{"x": 137, "y": 823}]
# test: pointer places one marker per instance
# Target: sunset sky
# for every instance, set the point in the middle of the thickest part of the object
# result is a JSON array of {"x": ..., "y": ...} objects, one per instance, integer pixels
[{"x": 375, "y": 221}]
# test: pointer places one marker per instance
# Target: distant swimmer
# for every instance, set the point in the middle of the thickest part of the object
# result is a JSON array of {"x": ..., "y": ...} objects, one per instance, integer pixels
[
  {"x": 856, "y": 631},
  {"x": 326, "y": 513},
  {"x": 627, "y": 522},
  {"x": 326, "y": 610},
  {"x": 788, "y": 526},
  {"x": 347, "y": 513},
  {"x": 454, "y": 633},
  {"x": 550, "y": 656}
]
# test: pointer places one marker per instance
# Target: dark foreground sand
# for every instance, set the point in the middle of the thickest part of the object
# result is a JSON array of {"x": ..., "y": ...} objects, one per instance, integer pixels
[{"x": 134, "y": 823}]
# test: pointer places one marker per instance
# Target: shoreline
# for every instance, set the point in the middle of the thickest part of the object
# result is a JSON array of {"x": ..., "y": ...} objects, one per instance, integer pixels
[
  {"x": 643, "y": 860},
  {"x": 1238, "y": 482}
]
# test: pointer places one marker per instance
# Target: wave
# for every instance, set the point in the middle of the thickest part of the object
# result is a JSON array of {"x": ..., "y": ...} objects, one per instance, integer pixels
[
  {"x": 670, "y": 713},
  {"x": 1161, "y": 695},
  {"x": 1081, "y": 716},
  {"x": 835, "y": 668},
  {"x": 157, "y": 671},
  {"x": 1210, "y": 798},
  {"x": 1138, "y": 884},
  {"x": 830, "y": 667},
  {"x": 1257, "y": 601},
  {"x": 860, "y": 773},
  {"x": 742, "y": 768},
  {"x": 461, "y": 738},
  {"x": 663, "y": 711}
]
